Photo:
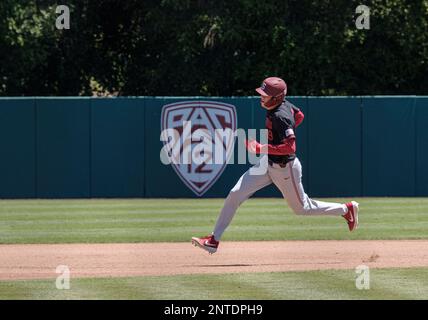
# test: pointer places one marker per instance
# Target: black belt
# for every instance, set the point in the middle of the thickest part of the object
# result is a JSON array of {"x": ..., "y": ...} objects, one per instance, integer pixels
[{"x": 281, "y": 164}]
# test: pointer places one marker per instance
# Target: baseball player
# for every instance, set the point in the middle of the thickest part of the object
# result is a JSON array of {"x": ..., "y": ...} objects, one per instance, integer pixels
[{"x": 283, "y": 168}]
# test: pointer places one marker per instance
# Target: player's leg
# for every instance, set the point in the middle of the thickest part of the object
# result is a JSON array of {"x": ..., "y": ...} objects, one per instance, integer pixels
[
  {"x": 250, "y": 182},
  {"x": 289, "y": 182},
  {"x": 246, "y": 186}
]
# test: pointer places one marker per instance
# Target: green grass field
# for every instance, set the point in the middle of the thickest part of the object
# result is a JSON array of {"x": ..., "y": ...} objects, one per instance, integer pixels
[
  {"x": 331, "y": 284},
  {"x": 175, "y": 220},
  {"x": 155, "y": 220}
]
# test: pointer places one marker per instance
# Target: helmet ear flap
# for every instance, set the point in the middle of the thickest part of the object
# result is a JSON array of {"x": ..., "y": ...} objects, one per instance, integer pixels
[
  {"x": 274, "y": 101},
  {"x": 278, "y": 99}
]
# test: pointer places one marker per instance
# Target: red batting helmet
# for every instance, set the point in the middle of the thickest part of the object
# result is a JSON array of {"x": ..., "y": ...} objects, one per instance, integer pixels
[{"x": 273, "y": 87}]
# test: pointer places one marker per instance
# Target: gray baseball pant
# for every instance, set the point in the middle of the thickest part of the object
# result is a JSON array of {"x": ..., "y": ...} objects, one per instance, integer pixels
[{"x": 288, "y": 180}]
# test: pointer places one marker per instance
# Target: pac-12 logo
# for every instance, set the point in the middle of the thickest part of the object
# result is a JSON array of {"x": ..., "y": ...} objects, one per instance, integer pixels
[{"x": 197, "y": 123}]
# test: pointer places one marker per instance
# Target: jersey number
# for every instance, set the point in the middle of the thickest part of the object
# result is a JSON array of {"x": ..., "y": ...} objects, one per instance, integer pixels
[{"x": 270, "y": 135}]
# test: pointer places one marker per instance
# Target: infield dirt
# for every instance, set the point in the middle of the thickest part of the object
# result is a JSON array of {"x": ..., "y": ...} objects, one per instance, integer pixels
[{"x": 39, "y": 261}]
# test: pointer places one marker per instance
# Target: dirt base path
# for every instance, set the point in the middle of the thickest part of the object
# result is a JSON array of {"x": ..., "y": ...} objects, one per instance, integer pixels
[{"x": 119, "y": 260}]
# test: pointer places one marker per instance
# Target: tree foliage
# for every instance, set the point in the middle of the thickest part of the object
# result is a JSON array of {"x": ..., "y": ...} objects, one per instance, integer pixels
[{"x": 213, "y": 48}]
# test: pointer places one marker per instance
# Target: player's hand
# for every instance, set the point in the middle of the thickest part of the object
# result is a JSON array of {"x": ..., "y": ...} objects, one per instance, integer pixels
[{"x": 253, "y": 146}]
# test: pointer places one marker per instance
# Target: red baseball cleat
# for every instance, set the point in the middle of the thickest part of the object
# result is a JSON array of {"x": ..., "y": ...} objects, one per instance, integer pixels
[
  {"x": 207, "y": 243},
  {"x": 352, "y": 216}
]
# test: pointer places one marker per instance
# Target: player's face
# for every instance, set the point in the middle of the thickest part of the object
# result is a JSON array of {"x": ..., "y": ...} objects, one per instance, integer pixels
[{"x": 264, "y": 100}]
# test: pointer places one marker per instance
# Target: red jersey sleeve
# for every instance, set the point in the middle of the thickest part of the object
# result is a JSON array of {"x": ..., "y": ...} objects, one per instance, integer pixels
[
  {"x": 298, "y": 117},
  {"x": 287, "y": 147}
]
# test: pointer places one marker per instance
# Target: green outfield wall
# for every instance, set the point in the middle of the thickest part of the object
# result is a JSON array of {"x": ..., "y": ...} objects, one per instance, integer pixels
[{"x": 109, "y": 147}]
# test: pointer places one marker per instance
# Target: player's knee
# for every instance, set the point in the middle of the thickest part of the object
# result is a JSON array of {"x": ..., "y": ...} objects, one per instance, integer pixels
[{"x": 235, "y": 196}]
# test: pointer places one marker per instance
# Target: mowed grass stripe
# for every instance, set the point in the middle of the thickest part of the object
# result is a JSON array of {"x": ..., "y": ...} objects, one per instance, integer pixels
[
  {"x": 125, "y": 201},
  {"x": 173, "y": 203},
  {"x": 154, "y": 220},
  {"x": 330, "y": 284}
]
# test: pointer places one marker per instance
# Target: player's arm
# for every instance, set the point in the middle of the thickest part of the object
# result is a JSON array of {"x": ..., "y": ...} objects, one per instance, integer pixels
[
  {"x": 287, "y": 145},
  {"x": 298, "y": 116}
]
